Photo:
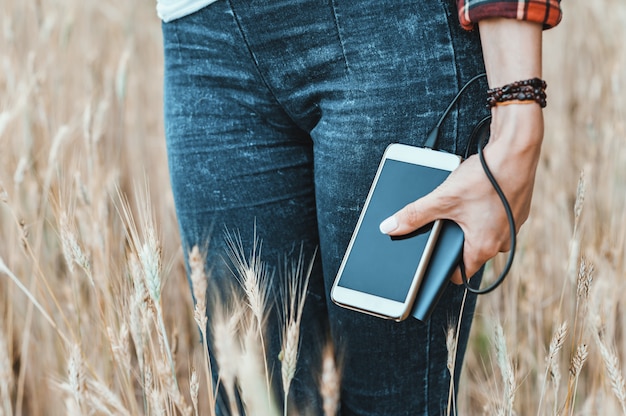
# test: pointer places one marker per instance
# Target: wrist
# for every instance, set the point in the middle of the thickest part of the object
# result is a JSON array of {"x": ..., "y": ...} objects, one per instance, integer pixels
[
  {"x": 523, "y": 91},
  {"x": 519, "y": 126}
]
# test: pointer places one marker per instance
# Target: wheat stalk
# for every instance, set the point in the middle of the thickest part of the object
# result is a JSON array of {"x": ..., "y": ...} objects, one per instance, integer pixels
[
  {"x": 146, "y": 271},
  {"x": 575, "y": 238},
  {"x": 583, "y": 285},
  {"x": 6, "y": 375},
  {"x": 169, "y": 383},
  {"x": 451, "y": 347},
  {"x": 35, "y": 273},
  {"x": 227, "y": 351},
  {"x": 574, "y": 243},
  {"x": 580, "y": 199},
  {"x": 139, "y": 310},
  {"x": 253, "y": 276},
  {"x": 294, "y": 298},
  {"x": 576, "y": 365},
  {"x": 289, "y": 357},
  {"x": 552, "y": 368},
  {"x": 199, "y": 283},
  {"x": 147, "y": 249},
  {"x": 153, "y": 394},
  {"x": 585, "y": 277},
  {"x": 76, "y": 376},
  {"x": 120, "y": 347},
  {"x": 506, "y": 370},
  {"x": 102, "y": 399},
  {"x": 612, "y": 366},
  {"x": 252, "y": 378},
  {"x": 194, "y": 389},
  {"x": 72, "y": 251},
  {"x": 149, "y": 254},
  {"x": 579, "y": 360},
  {"x": 57, "y": 141},
  {"x": 89, "y": 393},
  {"x": 330, "y": 382},
  {"x": 5, "y": 270}
]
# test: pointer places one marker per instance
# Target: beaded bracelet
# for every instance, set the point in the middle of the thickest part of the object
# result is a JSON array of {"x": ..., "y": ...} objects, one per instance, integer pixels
[{"x": 529, "y": 90}]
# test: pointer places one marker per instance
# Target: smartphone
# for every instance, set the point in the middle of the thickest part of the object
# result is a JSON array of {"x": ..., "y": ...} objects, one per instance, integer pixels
[{"x": 379, "y": 274}]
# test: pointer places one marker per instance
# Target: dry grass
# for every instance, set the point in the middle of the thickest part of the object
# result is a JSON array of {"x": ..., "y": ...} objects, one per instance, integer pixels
[
  {"x": 92, "y": 283},
  {"x": 571, "y": 219}
]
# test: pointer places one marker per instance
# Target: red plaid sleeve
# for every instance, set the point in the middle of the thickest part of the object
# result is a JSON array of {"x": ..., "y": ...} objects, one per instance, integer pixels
[{"x": 546, "y": 12}]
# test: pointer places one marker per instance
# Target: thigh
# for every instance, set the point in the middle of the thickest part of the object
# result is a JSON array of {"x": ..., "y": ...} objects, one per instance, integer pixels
[
  {"x": 237, "y": 162},
  {"x": 405, "y": 60}
]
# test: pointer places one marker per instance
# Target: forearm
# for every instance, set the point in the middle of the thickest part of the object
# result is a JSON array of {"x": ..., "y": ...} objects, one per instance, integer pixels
[{"x": 512, "y": 52}]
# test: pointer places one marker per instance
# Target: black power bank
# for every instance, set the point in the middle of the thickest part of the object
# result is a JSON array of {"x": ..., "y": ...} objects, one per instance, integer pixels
[{"x": 444, "y": 259}]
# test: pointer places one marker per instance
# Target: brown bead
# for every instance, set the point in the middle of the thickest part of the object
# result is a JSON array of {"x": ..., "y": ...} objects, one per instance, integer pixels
[{"x": 524, "y": 90}]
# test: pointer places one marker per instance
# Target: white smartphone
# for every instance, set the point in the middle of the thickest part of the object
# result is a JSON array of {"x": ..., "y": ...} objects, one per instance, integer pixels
[{"x": 380, "y": 275}]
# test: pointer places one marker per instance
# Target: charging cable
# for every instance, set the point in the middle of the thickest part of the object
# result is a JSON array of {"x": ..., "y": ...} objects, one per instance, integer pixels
[{"x": 480, "y": 134}]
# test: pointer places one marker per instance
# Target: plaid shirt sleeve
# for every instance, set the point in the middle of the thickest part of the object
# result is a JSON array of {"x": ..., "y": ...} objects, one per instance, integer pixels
[{"x": 546, "y": 12}]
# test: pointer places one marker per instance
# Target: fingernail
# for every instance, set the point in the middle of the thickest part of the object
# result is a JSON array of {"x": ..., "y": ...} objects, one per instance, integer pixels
[{"x": 388, "y": 225}]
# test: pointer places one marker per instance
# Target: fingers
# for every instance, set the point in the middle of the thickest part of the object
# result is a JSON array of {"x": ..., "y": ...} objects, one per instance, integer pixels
[
  {"x": 473, "y": 260},
  {"x": 413, "y": 216},
  {"x": 456, "y": 277},
  {"x": 471, "y": 265}
]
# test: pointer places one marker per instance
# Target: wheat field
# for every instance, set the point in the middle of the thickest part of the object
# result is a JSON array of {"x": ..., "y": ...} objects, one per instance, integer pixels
[{"x": 96, "y": 315}]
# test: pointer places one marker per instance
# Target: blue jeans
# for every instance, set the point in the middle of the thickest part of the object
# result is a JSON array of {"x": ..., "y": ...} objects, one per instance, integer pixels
[{"x": 276, "y": 114}]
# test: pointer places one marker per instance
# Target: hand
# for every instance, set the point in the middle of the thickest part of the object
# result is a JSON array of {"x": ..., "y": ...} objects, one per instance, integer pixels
[
  {"x": 511, "y": 51},
  {"x": 468, "y": 198}
]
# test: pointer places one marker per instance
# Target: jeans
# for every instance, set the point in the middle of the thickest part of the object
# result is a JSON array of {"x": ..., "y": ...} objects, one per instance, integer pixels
[{"x": 277, "y": 113}]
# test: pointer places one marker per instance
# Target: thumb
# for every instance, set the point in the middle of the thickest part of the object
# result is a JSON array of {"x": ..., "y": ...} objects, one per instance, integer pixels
[{"x": 413, "y": 216}]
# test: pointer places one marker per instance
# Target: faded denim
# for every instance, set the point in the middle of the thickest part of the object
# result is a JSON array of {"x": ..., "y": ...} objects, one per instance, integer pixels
[{"x": 276, "y": 114}]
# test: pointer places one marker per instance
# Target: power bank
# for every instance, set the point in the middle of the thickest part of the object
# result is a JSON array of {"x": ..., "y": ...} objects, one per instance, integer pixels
[{"x": 443, "y": 260}]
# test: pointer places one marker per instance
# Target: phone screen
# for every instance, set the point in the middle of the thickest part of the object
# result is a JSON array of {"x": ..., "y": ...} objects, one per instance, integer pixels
[{"x": 379, "y": 264}]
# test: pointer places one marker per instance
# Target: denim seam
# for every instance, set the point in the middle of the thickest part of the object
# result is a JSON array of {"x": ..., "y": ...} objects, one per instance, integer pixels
[
  {"x": 257, "y": 66},
  {"x": 455, "y": 114},
  {"x": 333, "y": 7}
]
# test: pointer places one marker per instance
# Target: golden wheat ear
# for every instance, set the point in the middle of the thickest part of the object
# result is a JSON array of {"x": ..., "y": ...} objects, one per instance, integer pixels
[
  {"x": 226, "y": 325},
  {"x": 295, "y": 287},
  {"x": 612, "y": 367},
  {"x": 330, "y": 381},
  {"x": 256, "y": 280}
]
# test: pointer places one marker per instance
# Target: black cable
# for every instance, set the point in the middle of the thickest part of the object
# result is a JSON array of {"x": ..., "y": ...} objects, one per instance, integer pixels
[
  {"x": 507, "y": 208},
  {"x": 433, "y": 136},
  {"x": 480, "y": 132}
]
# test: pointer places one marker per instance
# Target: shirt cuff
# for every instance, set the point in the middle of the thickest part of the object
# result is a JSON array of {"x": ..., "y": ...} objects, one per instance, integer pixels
[{"x": 546, "y": 12}]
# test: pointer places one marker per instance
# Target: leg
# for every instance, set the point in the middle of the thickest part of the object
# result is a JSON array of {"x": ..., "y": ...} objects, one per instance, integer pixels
[
  {"x": 403, "y": 68},
  {"x": 237, "y": 162},
  {"x": 355, "y": 76}
]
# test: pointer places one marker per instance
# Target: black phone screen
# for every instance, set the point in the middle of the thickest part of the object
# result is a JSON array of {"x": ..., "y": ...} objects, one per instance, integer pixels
[{"x": 378, "y": 264}]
